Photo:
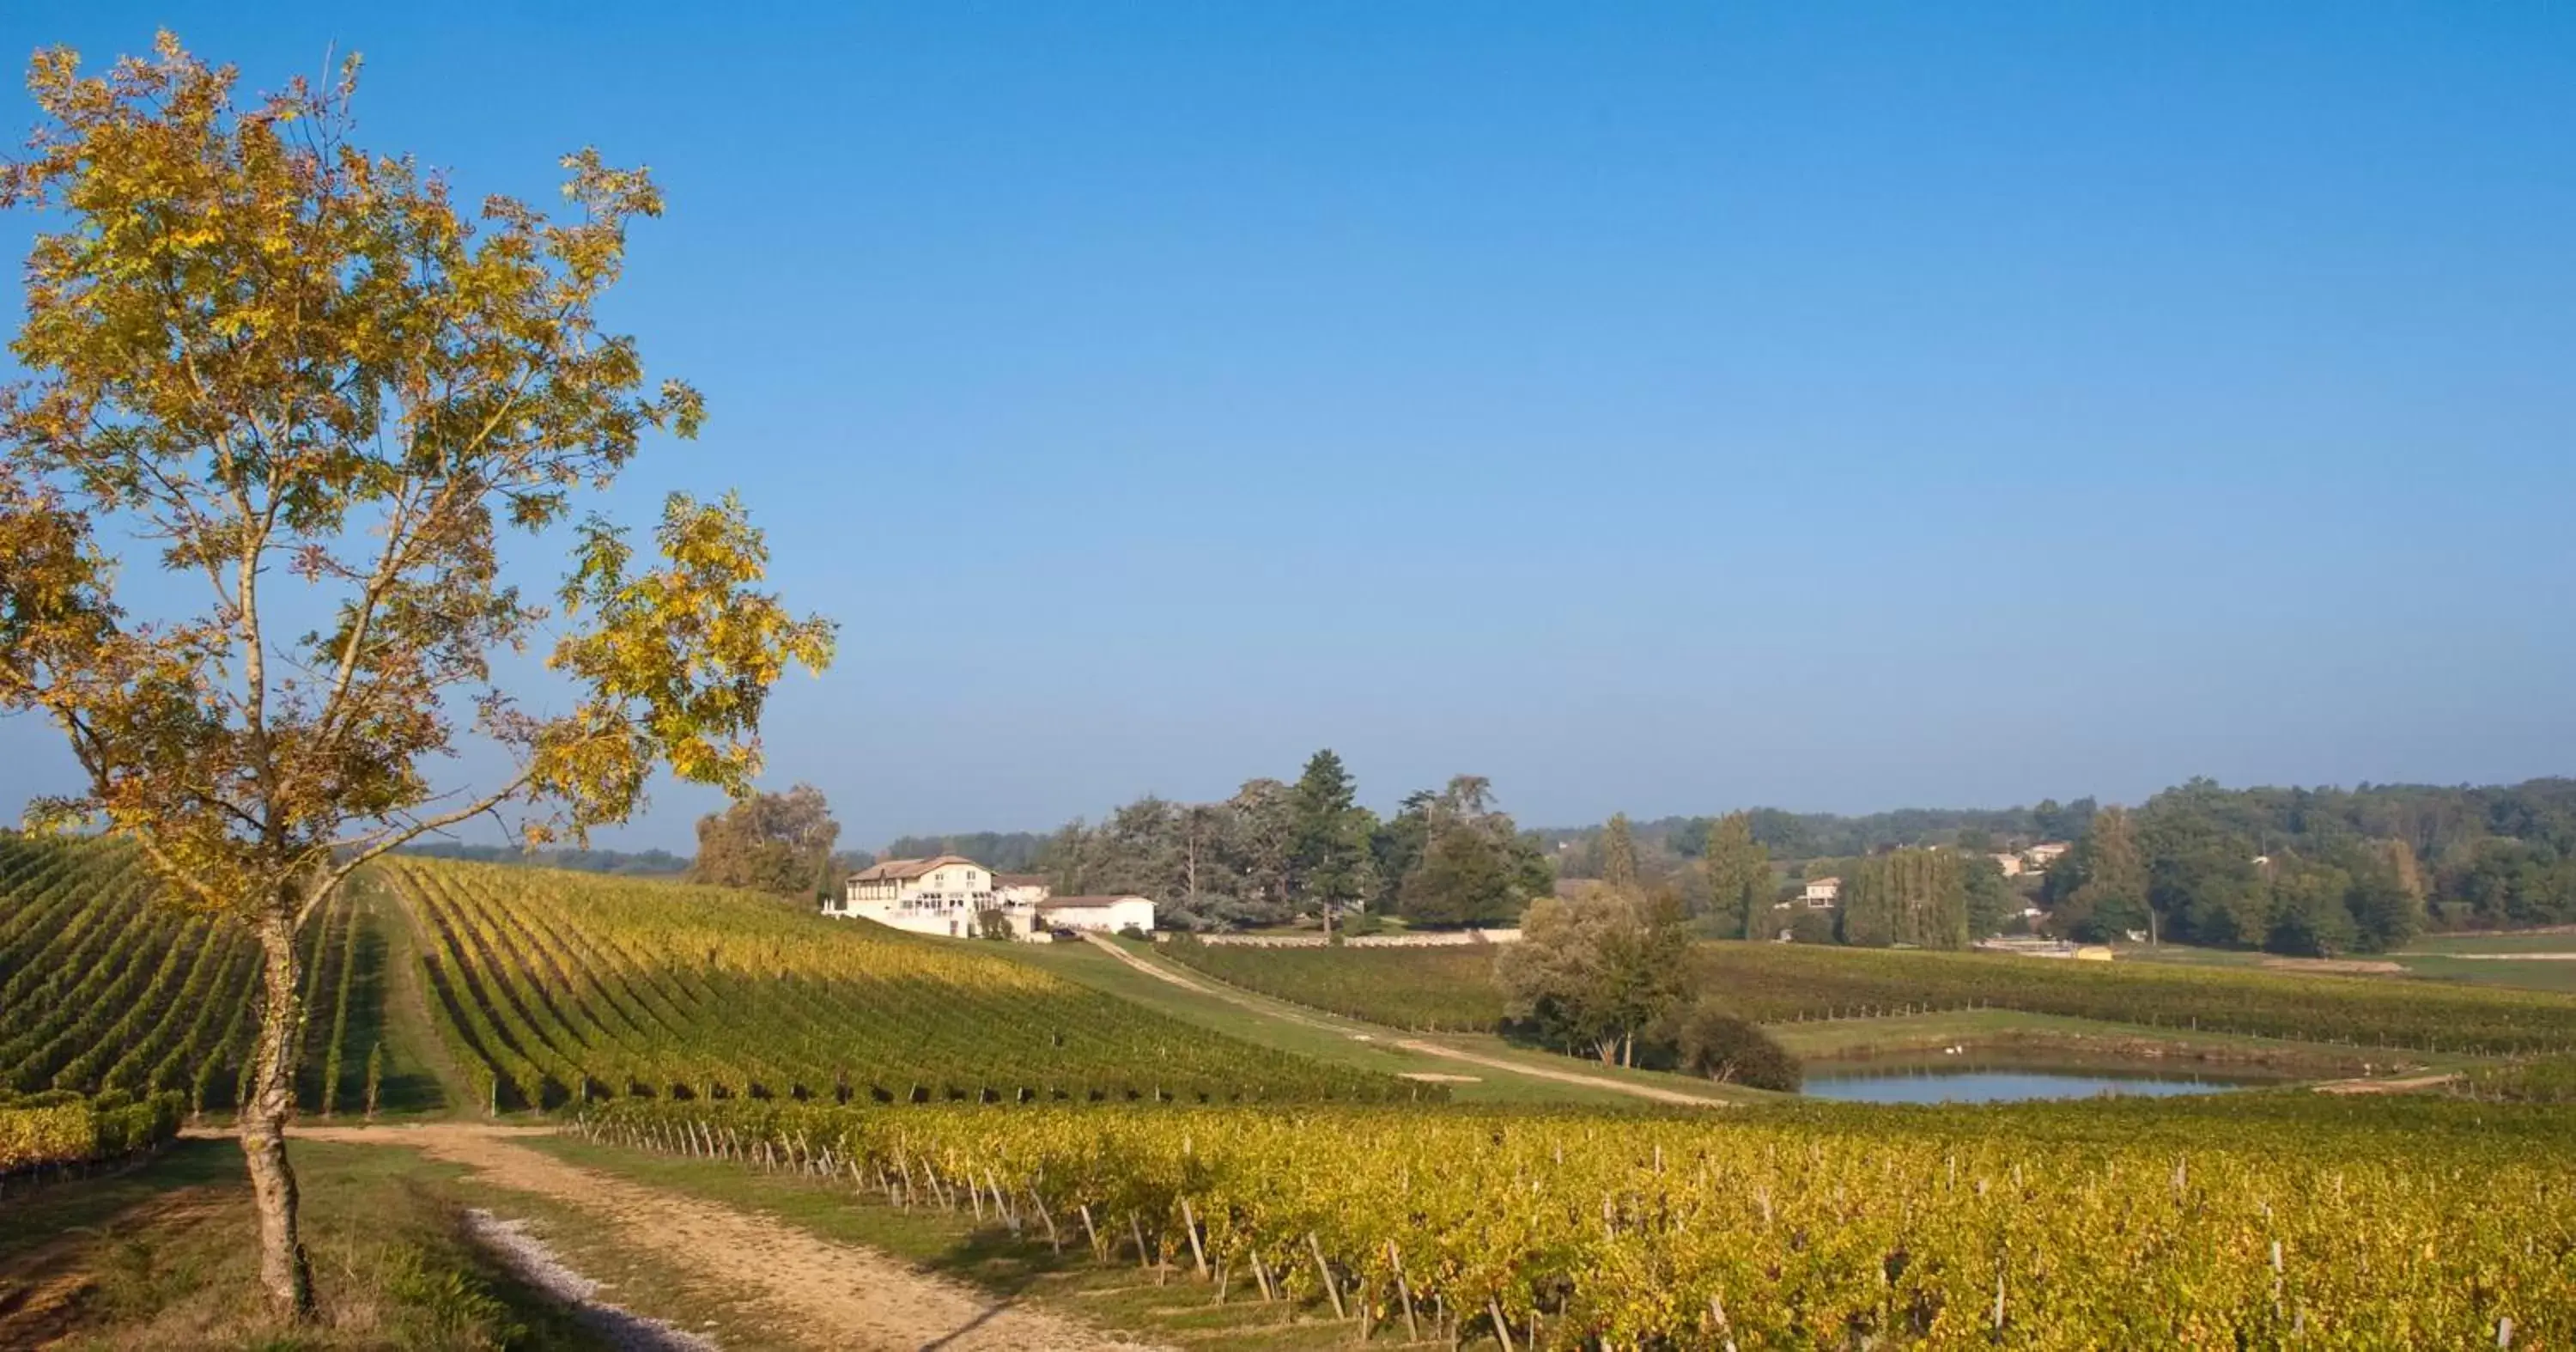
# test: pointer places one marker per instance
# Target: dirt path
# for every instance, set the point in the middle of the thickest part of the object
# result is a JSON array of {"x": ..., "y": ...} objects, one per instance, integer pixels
[
  {"x": 1509, "y": 1067},
  {"x": 833, "y": 1295},
  {"x": 1644, "y": 1091}
]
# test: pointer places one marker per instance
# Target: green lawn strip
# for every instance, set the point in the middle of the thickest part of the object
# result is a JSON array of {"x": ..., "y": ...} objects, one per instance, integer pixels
[
  {"x": 1117, "y": 1295},
  {"x": 2433, "y": 959},
  {"x": 159, "y": 1257},
  {"x": 1330, "y": 1037},
  {"x": 2132, "y": 1044},
  {"x": 2524, "y": 941},
  {"x": 420, "y": 1078},
  {"x": 2537, "y": 975}
]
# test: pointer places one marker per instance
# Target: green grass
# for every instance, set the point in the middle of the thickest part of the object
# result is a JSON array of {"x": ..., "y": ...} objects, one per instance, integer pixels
[
  {"x": 1355, "y": 1043},
  {"x": 1447, "y": 989},
  {"x": 2074, "y": 1042},
  {"x": 2562, "y": 941},
  {"x": 2530, "y": 976},
  {"x": 2442, "y": 958},
  {"x": 158, "y": 1257},
  {"x": 420, "y": 1080}
]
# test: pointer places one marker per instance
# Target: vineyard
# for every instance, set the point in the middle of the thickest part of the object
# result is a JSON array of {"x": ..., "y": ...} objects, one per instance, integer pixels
[
  {"x": 1772, "y": 983},
  {"x": 40, "y": 1133},
  {"x": 104, "y": 989},
  {"x": 2255, "y": 1222},
  {"x": 557, "y": 987}
]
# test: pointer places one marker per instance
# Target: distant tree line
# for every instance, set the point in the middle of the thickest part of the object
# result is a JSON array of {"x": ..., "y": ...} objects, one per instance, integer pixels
[
  {"x": 1000, "y": 851},
  {"x": 1668, "y": 845},
  {"x": 1275, "y": 851},
  {"x": 2323, "y": 871}
]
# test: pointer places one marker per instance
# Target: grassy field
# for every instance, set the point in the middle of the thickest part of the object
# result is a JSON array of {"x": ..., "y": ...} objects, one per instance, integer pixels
[
  {"x": 2530, "y": 975},
  {"x": 154, "y": 1259},
  {"x": 1359, "y": 1044},
  {"x": 2531, "y": 941},
  {"x": 1425, "y": 989},
  {"x": 2076, "y": 1042},
  {"x": 2474, "y": 960}
]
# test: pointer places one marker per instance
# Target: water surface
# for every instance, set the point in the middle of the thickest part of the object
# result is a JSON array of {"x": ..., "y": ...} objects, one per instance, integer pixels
[{"x": 1863, "y": 1083}]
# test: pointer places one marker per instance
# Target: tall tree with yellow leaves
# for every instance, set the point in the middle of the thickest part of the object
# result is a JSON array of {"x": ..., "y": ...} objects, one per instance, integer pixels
[{"x": 295, "y": 378}]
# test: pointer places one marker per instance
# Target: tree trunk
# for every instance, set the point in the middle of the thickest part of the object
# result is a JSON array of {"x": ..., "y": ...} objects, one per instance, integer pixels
[{"x": 264, "y": 1110}]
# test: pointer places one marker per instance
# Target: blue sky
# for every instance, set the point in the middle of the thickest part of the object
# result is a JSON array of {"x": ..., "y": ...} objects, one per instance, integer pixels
[{"x": 1667, "y": 408}]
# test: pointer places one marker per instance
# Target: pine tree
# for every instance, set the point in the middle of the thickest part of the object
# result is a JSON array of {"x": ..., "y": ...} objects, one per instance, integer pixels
[{"x": 1329, "y": 857}]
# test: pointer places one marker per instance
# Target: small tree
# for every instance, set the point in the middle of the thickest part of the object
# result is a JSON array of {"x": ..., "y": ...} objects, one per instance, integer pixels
[
  {"x": 275, "y": 359},
  {"x": 1711, "y": 1040},
  {"x": 1596, "y": 970}
]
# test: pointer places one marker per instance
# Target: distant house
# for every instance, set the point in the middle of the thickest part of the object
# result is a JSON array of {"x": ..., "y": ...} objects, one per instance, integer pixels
[
  {"x": 2009, "y": 863},
  {"x": 2039, "y": 857},
  {"x": 1822, "y": 892},
  {"x": 1104, "y": 914},
  {"x": 926, "y": 896},
  {"x": 949, "y": 896}
]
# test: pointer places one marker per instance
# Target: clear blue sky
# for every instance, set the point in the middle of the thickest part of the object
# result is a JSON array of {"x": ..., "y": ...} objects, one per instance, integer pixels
[{"x": 1666, "y": 408}]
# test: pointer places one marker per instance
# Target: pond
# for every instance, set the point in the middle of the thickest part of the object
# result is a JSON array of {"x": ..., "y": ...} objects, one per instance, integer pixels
[{"x": 1955, "y": 1082}]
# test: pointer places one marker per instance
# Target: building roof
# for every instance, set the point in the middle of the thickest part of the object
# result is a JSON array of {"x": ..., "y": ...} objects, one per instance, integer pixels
[
  {"x": 1061, "y": 903},
  {"x": 1827, "y": 881},
  {"x": 898, "y": 869},
  {"x": 1019, "y": 880}
]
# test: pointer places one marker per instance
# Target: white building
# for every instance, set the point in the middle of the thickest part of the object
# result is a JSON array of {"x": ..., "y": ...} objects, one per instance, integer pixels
[
  {"x": 1020, "y": 891},
  {"x": 2046, "y": 853},
  {"x": 1108, "y": 915},
  {"x": 1823, "y": 892},
  {"x": 950, "y": 896},
  {"x": 2009, "y": 863},
  {"x": 926, "y": 896}
]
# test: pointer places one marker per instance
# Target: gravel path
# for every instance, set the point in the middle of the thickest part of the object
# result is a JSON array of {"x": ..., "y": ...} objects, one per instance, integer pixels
[
  {"x": 537, "y": 1265},
  {"x": 832, "y": 1295}
]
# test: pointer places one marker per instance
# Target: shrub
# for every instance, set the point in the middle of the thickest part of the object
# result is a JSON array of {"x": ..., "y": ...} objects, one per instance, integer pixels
[{"x": 1711, "y": 1040}]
